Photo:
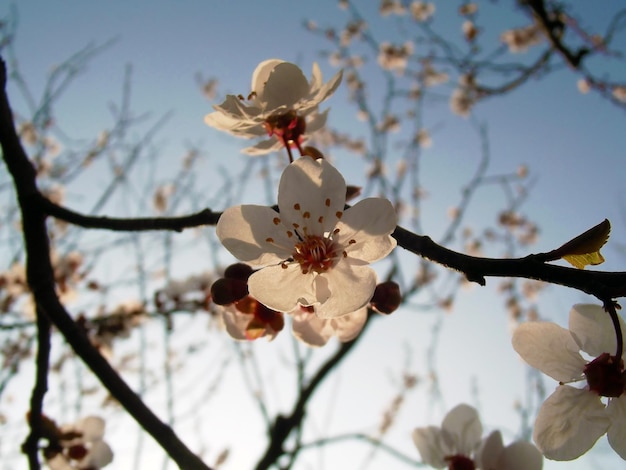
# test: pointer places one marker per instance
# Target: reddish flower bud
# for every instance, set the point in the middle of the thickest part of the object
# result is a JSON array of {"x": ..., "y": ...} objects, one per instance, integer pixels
[
  {"x": 387, "y": 297},
  {"x": 238, "y": 271},
  {"x": 227, "y": 291}
]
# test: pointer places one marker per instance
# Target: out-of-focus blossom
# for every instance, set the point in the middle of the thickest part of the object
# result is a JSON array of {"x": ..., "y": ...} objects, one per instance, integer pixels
[
  {"x": 353, "y": 30},
  {"x": 422, "y": 11},
  {"x": 583, "y": 86},
  {"x": 431, "y": 77},
  {"x": 458, "y": 444},
  {"x": 468, "y": 9},
  {"x": 423, "y": 139},
  {"x": 395, "y": 58},
  {"x": 81, "y": 446},
  {"x": 389, "y": 124},
  {"x": 464, "y": 96},
  {"x": 282, "y": 104},
  {"x": 573, "y": 418},
  {"x": 470, "y": 31},
  {"x": 28, "y": 133},
  {"x": 313, "y": 252},
  {"x": 162, "y": 195},
  {"x": 619, "y": 93},
  {"x": 115, "y": 324},
  {"x": 520, "y": 39},
  {"x": 391, "y": 7}
]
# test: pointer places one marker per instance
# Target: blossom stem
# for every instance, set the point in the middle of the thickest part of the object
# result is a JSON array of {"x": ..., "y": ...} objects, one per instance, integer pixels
[
  {"x": 612, "y": 311},
  {"x": 288, "y": 147}
]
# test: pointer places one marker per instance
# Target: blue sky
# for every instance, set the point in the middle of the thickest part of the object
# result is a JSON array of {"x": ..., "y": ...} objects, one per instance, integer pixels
[{"x": 572, "y": 143}]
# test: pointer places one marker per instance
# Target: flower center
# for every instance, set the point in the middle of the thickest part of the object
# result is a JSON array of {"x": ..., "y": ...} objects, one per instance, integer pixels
[
  {"x": 289, "y": 127},
  {"x": 460, "y": 462},
  {"x": 315, "y": 253},
  {"x": 606, "y": 376}
]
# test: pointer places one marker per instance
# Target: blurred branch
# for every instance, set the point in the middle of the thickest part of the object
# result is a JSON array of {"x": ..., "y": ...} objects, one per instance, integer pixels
[
  {"x": 367, "y": 439},
  {"x": 284, "y": 425},
  {"x": 31, "y": 444}
]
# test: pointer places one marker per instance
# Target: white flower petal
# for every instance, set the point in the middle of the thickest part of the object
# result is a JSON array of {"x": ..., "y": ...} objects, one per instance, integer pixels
[
  {"x": 235, "y": 322},
  {"x": 316, "y": 78},
  {"x": 99, "y": 455},
  {"x": 244, "y": 231},
  {"x": 58, "y": 462},
  {"x": 315, "y": 187},
  {"x": 329, "y": 88},
  {"x": 569, "y": 423},
  {"x": 309, "y": 328},
  {"x": 617, "y": 431},
  {"x": 92, "y": 428},
  {"x": 262, "y": 73},
  {"x": 351, "y": 288},
  {"x": 347, "y": 327},
  {"x": 264, "y": 147},
  {"x": 429, "y": 444},
  {"x": 593, "y": 330},
  {"x": 285, "y": 86},
  {"x": 520, "y": 455},
  {"x": 549, "y": 348},
  {"x": 462, "y": 430},
  {"x": 281, "y": 289},
  {"x": 490, "y": 450},
  {"x": 369, "y": 222},
  {"x": 316, "y": 121}
]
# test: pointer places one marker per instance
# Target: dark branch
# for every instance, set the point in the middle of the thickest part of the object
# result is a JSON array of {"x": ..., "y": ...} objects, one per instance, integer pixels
[{"x": 204, "y": 217}]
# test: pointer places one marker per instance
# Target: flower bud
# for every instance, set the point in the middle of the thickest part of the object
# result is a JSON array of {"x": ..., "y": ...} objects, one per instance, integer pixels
[
  {"x": 227, "y": 291},
  {"x": 387, "y": 297},
  {"x": 239, "y": 271}
]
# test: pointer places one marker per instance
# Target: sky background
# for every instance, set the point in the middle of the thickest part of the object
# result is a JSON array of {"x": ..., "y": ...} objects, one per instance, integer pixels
[{"x": 572, "y": 143}]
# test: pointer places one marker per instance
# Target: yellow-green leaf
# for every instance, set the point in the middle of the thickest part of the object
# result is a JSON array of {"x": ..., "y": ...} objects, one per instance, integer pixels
[
  {"x": 580, "y": 261},
  {"x": 584, "y": 250}
]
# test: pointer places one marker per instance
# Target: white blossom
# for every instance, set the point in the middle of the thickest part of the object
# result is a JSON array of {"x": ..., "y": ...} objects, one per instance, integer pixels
[
  {"x": 313, "y": 253},
  {"x": 458, "y": 443},
  {"x": 84, "y": 448},
  {"x": 520, "y": 39},
  {"x": 422, "y": 11},
  {"x": 282, "y": 104},
  {"x": 391, "y": 57},
  {"x": 572, "y": 419},
  {"x": 619, "y": 93}
]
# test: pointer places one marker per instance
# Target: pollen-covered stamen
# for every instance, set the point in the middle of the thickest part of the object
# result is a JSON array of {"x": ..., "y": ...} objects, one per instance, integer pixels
[{"x": 316, "y": 253}]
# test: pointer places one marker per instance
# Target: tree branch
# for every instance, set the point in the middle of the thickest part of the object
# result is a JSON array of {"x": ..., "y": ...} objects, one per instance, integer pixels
[{"x": 177, "y": 224}]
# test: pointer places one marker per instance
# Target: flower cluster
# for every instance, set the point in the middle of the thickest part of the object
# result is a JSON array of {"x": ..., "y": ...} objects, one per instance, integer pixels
[
  {"x": 458, "y": 444},
  {"x": 573, "y": 418},
  {"x": 313, "y": 252},
  {"x": 282, "y": 105}
]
